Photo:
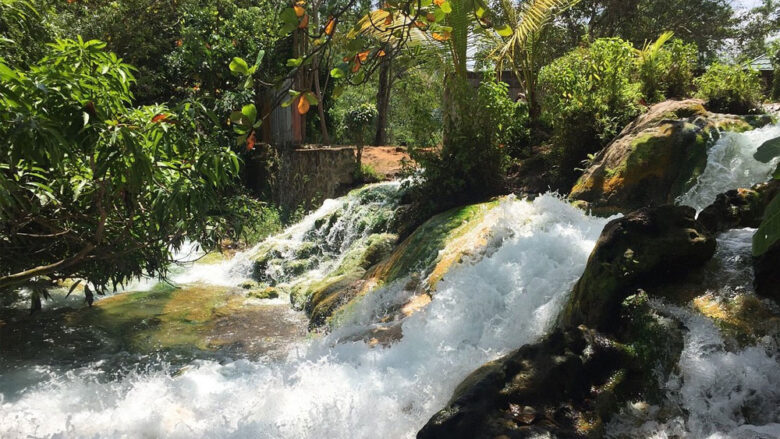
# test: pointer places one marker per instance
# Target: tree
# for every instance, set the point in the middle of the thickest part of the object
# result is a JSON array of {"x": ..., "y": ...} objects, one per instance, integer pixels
[
  {"x": 760, "y": 23},
  {"x": 520, "y": 49},
  {"x": 707, "y": 23},
  {"x": 93, "y": 189}
]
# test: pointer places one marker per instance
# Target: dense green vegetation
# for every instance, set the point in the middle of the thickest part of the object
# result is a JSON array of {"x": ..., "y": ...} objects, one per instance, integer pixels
[{"x": 126, "y": 126}]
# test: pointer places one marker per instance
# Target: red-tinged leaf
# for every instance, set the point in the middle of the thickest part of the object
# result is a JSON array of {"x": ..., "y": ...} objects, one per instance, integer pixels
[
  {"x": 303, "y": 105},
  {"x": 160, "y": 118},
  {"x": 299, "y": 11},
  {"x": 330, "y": 26},
  {"x": 250, "y": 141},
  {"x": 304, "y": 23}
]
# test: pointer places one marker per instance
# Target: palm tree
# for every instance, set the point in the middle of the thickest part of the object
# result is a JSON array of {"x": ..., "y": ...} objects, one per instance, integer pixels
[{"x": 519, "y": 48}]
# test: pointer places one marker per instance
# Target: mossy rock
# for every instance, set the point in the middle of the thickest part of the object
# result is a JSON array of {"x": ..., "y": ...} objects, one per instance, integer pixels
[
  {"x": 655, "y": 159},
  {"x": 264, "y": 293},
  {"x": 644, "y": 246}
]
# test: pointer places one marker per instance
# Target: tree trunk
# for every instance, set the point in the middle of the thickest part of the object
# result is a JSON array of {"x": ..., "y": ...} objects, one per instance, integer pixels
[
  {"x": 320, "y": 109},
  {"x": 383, "y": 103}
]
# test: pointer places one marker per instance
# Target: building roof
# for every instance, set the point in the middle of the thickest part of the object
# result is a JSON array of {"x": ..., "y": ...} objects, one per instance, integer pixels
[{"x": 762, "y": 64}]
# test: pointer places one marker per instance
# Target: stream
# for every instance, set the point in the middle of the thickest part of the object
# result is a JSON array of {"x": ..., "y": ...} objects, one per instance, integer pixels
[{"x": 121, "y": 370}]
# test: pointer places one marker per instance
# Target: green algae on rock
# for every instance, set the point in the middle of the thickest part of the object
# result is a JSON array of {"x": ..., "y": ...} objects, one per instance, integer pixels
[{"x": 656, "y": 158}]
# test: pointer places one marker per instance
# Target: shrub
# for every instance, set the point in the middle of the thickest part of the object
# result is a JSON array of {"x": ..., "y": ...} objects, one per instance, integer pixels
[
  {"x": 472, "y": 163},
  {"x": 93, "y": 189},
  {"x": 776, "y": 84},
  {"x": 666, "y": 71},
  {"x": 359, "y": 121},
  {"x": 588, "y": 97},
  {"x": 368, "y": 174},
  {"x": 730, "y": 89}
]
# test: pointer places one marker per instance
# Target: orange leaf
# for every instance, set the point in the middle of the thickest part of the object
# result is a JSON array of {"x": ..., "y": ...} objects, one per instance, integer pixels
[
  {"x": 330, "y": 26},
  {"x": 439, "y": 2},
  {"x": 441, "y": 37},
  {"x": 381, "y": 53},
  {"x": 420, "y": 24},
  {"x": 303, "y": 105},
  {"x": 347, "y": 59},
  {"x": 179, "y": 43},
  {"x": 389, "y": 20},
  {"x": 250, "y": 141},
  {"x": 304, "y": 23},
  {"x": 355, "y": 67},
  {"x": 363, "y": 56},
  {"x": 299, "y": 11},
  {"x": 160, "y": 118}
]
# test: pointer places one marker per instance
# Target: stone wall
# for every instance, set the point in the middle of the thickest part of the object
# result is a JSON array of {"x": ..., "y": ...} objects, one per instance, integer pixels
[{"x": 308, "y": 176}]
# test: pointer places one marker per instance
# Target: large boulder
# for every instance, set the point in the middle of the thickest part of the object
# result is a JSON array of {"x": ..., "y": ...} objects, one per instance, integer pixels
[
  {"x": 656, "y": 158},
  {"x": 644, "y": 246},
  {"x": 739, "y": 208},
  {"x": 558, "y": 387}
]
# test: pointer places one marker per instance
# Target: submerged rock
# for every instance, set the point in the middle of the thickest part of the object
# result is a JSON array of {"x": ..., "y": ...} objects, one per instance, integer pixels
[
  {"x": 656, "y": 158},
  {"x": 647, "y": 245}
]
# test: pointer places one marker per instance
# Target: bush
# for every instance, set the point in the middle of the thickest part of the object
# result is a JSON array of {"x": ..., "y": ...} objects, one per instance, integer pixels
[
  {"x": 588, "y": 97},
  {"x": 359, "y": 121},
  {"x": 93, "y": 189},
  {"x": 415, "y": 109},
  {"x": 730, "y": 89},
  {"x": 667, "y": 72},
  {"x": 472, "y": 163},
  {"x": 368, "y": 174}
]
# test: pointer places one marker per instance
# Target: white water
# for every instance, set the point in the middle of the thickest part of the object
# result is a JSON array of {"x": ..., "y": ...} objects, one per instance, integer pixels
[
  {"x": 481, "y": 310},
  {"x": 730, "y": 165},
  {"x": 717, "y": 392},
  {"x": 336, "y": 389}
]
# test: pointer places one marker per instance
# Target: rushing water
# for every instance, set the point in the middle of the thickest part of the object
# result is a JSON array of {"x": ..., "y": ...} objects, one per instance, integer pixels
[
  {"x": 730, "y": 165},
  {"x": 718, "y": 391},
  {"x": 329, "y": 386}
]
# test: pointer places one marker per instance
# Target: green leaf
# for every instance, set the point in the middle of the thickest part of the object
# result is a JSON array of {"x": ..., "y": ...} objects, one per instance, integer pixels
[
  {"x": 446, "y": 7},
  {"x": 294, "y": 62},
  {"x": 309, "y": 96},
  {"x": 259, "y": 58},
  {"x": 250, "y": 111},
  {"x": 504, "y": 30},
  {"x": 337, "y": 73},
  {"x": 239, "y": 67},
  {"x": 768, "y": 150},
  {"x": 769, "y": 231}
]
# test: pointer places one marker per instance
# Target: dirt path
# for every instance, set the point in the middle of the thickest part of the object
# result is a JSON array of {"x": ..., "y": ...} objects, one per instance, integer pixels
[{"x": 386, "y": 160}]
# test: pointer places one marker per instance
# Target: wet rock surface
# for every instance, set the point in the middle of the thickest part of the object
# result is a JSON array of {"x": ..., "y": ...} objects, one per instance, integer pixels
[
  {"x": 739, "y": 208},
  {"x": 645, "y": 246},
  {"x": 657, "y": 157}
]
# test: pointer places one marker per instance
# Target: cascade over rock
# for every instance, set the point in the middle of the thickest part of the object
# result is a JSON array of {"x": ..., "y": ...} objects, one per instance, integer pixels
[
  {"x": 571, "y": 382},
  {"x": 644, "y": 246},
  {"x": 657, "y": 157}
]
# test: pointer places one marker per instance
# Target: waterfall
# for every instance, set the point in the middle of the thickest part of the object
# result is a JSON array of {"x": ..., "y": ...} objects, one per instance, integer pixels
[
  {"x": 718, "y": 391},
  {"x": 338, "y": 386},
  {"x": 730, "y": 165},
  {"x": 329, "y": 387}
]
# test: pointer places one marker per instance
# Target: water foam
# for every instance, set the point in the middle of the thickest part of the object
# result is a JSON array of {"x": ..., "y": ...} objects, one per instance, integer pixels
[
  {"x": 730, "y": 165},
  {"x": 331, "y": 388}
]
